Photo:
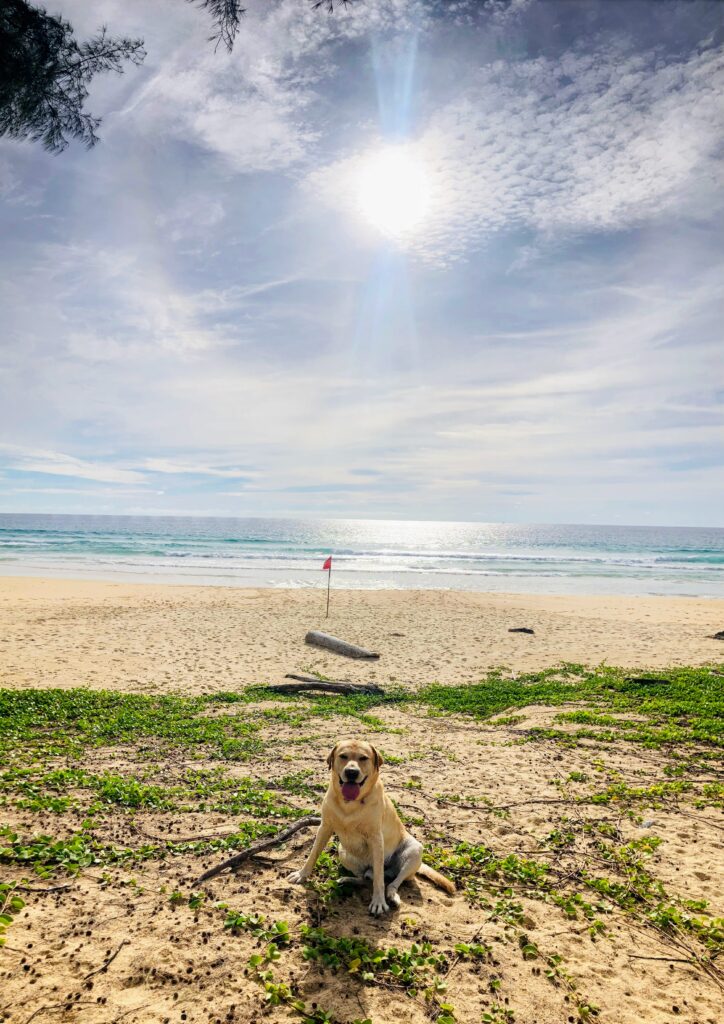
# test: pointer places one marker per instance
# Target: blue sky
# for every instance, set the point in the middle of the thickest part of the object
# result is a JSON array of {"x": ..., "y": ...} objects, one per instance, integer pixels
[{"x": 201, "y": 317}]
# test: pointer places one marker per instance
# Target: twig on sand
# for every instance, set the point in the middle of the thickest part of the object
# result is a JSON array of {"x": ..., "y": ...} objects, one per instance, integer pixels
[
  {"x": 503, "y": 807},
  {"x": 456, "y": 959},
  {"x": 106, "y": 963},
  {"x": 184, "y": 839},
  {"x": 54, "y": 1007},
  {"x": 263, "y": 844},
  {"x": 133, "y": 1009},
  {"x": 43, "y": 889},
  {"x": 667, "y": 959},
  {"x": 702, "y": 821}
]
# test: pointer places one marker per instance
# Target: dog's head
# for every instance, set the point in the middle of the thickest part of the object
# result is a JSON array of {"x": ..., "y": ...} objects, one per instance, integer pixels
[{"x": 354, "y": 766}]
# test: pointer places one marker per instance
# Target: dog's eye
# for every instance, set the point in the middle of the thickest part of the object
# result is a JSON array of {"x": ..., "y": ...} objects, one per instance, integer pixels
[
  {"x": 363, "y": 758},
  {"x": 344, "y": 757}
]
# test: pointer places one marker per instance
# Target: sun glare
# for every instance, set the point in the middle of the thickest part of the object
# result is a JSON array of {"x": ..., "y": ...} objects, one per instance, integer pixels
[{"x": 394, "y": 191}]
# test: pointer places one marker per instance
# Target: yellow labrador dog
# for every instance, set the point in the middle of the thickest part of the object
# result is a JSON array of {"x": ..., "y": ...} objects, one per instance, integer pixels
[{"x": 372, "y": 839}]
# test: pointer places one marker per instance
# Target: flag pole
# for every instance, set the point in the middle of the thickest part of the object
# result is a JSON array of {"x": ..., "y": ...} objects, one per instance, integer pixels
[{"x": 329, "y": 580}]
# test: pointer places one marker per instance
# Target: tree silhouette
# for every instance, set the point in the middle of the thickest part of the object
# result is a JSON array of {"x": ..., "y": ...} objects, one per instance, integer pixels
[{"x": 45, "y": 71}]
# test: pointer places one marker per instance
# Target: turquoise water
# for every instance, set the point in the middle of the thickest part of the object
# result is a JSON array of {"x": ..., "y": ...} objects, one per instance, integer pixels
[{"x": 368, "y": 554}]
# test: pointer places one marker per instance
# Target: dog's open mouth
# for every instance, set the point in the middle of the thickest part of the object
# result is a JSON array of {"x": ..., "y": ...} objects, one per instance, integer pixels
[{"x": 351, "y": 790}]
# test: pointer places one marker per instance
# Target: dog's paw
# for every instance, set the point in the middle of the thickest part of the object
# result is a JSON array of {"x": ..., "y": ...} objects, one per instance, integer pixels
[
  {"x": 378, "y": 906},
  {"x": 392, "y": 897},
  {"x": 297, "y": 878}
]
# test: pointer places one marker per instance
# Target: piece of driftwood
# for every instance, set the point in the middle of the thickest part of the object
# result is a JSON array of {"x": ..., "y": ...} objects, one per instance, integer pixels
[
  {"x": 522, "y": 629},
  {"x": 332, "y": 643},
  {"x": 263, "y": 844},
  {"x": 309, "y": 683}
]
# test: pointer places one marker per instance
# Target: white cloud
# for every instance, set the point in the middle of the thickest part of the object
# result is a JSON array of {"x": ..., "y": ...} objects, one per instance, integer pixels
[
  {"x": 174, "y": 466},
  {"x": 59, "y": 464},
  {"x": 591, "y": 142},
  {"x": 250, "y": 107},
  {"x": 192, "y": 214},
  {"x": 138, "y": 309},
  {"x": 94, "y": 492}
]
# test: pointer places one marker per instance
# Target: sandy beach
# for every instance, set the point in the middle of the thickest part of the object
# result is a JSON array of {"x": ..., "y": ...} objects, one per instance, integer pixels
[
  {"x": 117, "y": 939},
  {"x": 146, "y": 638}
]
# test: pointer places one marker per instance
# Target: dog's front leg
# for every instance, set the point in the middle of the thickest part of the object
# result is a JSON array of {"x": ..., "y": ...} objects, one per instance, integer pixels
[
  {"x": 323, "y": 836},
  {"x": 378, "y": 904}
]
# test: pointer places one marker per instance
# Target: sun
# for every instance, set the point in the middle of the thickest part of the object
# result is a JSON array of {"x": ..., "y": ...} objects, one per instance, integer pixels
[{"x": 393, "y": 191}]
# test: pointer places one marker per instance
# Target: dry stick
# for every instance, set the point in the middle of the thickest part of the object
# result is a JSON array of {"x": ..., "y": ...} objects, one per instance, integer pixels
[
  {"x": 263, "y": 844},
  {"x": 305, "y": 683},
  {"x": 54, "y": 1007},
  {"x": 702, "y": 821},
  {"x": 666, "y": 938},
  {"x": 106, "y": 963},
  {"x": 503, "y": 807},
  {"x": 313, "y": 679},
  {"x": 133, "y": 1009},
  {"x": 666, "y": 959},
  {"x": 42, "y": 890},
  {"x": 183, "y": 839},
  {"x": 456, "y": 959}
]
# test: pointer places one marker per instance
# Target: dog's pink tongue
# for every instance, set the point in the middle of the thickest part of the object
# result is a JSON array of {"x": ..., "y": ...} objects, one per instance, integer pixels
[{"x": 350, "y": 790}]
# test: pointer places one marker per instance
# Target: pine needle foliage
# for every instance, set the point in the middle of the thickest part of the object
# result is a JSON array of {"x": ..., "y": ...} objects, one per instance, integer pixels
[{"x": 45, "y": 72}]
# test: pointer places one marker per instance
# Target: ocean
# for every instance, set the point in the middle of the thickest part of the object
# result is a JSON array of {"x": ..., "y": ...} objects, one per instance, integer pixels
[{"x": 367, "y": 554}]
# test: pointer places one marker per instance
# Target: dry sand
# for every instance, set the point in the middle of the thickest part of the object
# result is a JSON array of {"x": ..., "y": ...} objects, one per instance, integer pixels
[
  {"x": 145, "y": 637},
  {"x": 176, "y": 965}
]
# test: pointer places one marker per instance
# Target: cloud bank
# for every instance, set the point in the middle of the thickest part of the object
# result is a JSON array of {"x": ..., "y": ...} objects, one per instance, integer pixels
[{"x": 198, "y": 319}]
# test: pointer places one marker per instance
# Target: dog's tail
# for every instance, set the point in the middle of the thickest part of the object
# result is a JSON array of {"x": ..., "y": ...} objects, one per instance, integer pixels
[{"x": 439, "y": 880}]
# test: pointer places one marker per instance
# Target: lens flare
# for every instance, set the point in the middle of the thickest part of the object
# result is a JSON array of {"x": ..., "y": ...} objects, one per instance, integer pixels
[{"x": 394, "y": 192}]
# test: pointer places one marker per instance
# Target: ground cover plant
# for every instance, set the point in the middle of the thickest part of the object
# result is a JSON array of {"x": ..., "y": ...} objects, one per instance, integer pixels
[{"x": 578, "y": 811}]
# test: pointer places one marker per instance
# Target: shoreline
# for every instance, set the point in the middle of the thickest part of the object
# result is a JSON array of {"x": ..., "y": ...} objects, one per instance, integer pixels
[
  {"x": 147, "y": 637},
  {"x": 502, "y": 584}
]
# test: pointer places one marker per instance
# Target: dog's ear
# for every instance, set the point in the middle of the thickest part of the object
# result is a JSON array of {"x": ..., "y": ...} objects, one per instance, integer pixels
[
  {"x": 377, "y": 756},
  {"x": 332, "y": 754}
]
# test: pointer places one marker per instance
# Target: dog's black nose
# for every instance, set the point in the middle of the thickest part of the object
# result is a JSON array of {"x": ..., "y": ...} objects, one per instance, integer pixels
[{"x": 351, "y": 773}]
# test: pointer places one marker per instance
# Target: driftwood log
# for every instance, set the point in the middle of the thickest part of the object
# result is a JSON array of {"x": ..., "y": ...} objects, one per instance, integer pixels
[
  {"x": 305, "y": 684},
  {"x": 258, "y": 847},
  {"x": 332, "y": 643},
  {"x": 521, "y": 629}
]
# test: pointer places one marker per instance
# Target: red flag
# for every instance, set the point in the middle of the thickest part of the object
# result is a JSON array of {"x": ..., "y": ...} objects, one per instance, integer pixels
[{"x": 327, "y": 564}]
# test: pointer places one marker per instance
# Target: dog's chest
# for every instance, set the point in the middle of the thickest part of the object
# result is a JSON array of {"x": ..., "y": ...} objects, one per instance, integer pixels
[
  {"x": 357, "y": 844},
  {"x": 355, "y": 830}
]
